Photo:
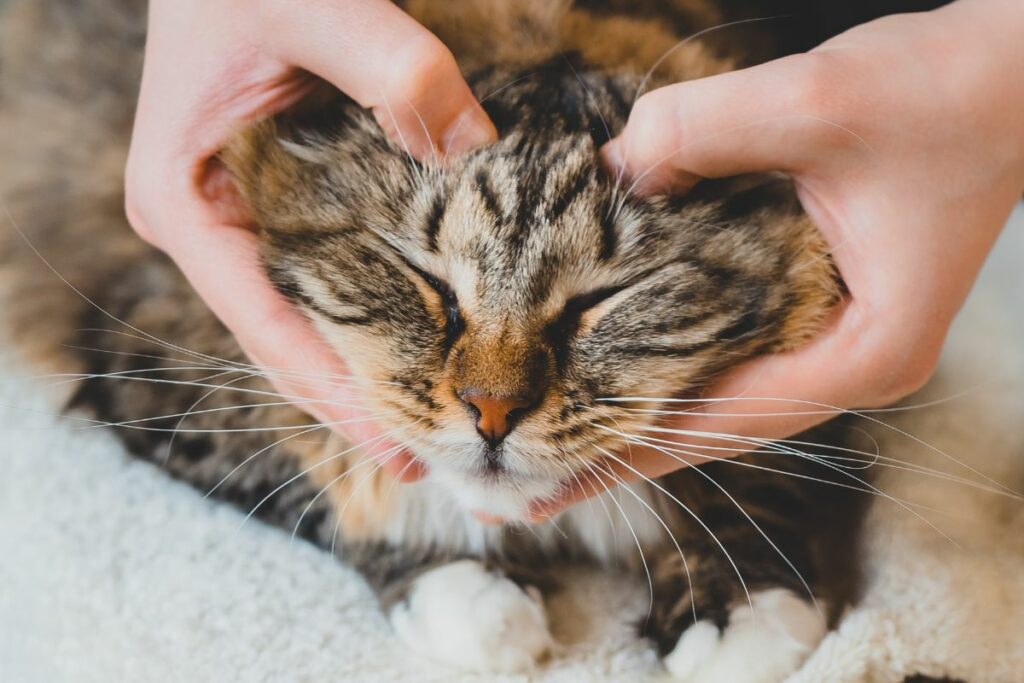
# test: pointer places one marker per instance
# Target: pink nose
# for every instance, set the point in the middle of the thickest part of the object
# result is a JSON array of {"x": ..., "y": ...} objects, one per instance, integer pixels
[{"x": 496, "y": 415}]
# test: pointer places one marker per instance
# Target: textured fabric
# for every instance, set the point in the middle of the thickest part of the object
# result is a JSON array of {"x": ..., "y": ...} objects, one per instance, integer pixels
[{"x": 112, "y": 572}]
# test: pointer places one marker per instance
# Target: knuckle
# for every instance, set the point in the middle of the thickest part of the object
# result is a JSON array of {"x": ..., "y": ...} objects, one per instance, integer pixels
[
  {"x": 653, "y": 122},
  {"x": 419, "y": 68},
  {"x": 909, "y": 376},
  {"x": 813, "y": 81}
]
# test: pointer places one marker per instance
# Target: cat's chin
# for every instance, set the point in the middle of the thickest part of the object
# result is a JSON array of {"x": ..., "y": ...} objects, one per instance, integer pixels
[{"x": 505, "y": 494}]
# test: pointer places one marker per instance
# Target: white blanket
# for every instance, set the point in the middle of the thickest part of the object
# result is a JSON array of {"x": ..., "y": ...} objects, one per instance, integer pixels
[{"x": 110, "y": 571}]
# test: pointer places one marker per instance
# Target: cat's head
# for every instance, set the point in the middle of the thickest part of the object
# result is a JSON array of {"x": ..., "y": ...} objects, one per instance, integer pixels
[{"x": 499, "y": 306}]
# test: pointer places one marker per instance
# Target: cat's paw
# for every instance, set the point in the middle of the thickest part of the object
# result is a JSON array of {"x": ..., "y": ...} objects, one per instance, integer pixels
[
  {"x": 463, "y": 615},
  {"x": 763, "y": 645}
]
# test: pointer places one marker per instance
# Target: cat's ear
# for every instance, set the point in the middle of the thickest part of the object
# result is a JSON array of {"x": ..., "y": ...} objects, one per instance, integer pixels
[
  {"x": 316, "y": 166},
  {"x": 274, "y": 176}
]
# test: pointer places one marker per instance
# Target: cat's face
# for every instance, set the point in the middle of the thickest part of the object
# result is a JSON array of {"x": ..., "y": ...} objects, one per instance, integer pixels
[{"x": 498, "y": 307}]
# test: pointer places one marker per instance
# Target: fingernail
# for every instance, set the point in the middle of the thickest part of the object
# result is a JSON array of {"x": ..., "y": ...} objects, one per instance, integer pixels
[
  {"x": 471, "y": 129},
  {"x": 489, "y": 520},
  {"x": 611, "y": 154}
]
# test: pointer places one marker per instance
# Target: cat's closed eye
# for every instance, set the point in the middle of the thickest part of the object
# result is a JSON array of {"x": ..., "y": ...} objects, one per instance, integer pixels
[
  {"x": 560, "y": 331},
  {"x": 454, "y": 324}
]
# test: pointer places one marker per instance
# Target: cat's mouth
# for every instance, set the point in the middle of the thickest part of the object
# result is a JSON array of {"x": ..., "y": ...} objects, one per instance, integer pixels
[{"x": 497, "y": 486}]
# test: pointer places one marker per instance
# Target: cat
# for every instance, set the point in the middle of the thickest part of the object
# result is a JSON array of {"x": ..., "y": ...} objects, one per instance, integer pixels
[{"x": 514, "y": 317}]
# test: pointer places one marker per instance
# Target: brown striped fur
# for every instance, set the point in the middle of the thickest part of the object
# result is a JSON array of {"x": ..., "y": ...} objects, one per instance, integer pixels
[{"x": 519, "y": 267}]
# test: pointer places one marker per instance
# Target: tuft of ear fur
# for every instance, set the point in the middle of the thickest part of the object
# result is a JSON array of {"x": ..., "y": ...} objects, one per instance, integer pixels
[{"x": 296, "y": 170}]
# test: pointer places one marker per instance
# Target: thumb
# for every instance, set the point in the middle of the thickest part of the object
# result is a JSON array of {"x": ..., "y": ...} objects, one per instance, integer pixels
[
  {"x": 386, "y": 61},
  {"x": 764, "y": 118}
]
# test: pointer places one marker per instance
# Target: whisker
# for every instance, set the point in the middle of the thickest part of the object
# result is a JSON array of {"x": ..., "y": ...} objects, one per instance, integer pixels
[
  {"x": 309, "y": 469},
  {"x": 690, "y": 512},
  {"x": 836, "y": 409},
  {"x": 661, "y": 521}
]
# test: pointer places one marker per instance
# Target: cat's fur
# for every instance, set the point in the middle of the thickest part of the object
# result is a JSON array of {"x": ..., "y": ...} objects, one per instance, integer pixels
[{"x": 519, "y": 270}]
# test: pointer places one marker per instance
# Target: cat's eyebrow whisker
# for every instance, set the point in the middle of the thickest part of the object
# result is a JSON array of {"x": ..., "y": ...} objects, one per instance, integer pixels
[
  {"x": 689, "y": 511},
  {"x": 438, "y": 161},
  {"x": 682, "y": 556},
  {"x": 860, "y": 413},
  {"x": 590, "y": 96}
]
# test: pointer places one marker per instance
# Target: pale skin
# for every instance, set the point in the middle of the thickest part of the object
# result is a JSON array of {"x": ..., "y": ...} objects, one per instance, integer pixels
[{"x": 905, "y": 137}]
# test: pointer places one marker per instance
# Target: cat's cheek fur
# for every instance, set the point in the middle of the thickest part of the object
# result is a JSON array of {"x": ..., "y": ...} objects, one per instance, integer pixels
[
  {"x": 466, "y": 616},
  {"x": 761, "y": 645}
]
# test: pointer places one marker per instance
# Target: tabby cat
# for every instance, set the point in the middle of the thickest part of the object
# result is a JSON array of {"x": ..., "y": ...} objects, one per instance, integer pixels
[{"x": 514, "y": 318}]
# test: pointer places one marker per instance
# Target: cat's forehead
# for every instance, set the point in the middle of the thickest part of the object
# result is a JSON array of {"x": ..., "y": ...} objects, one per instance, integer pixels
[{"x": 520, "y": 222}]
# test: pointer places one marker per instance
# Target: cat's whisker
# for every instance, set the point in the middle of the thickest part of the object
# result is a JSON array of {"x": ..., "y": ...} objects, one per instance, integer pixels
[
  {"x": 242, "y": 390},
  {"x": 836, "y": 409},
  {"x": 324, "y": 489},
  {"x": 259, "y": 452},
  {"x": 206, "y": 411},
  {"x": 572, "y": 457},
  {"x": 675, "y": 447},
  {"x": 131, "y": 354},
  {"x": 682, "y": 556},
  {"x": 89, "y": 301},
  {"x": 317, "y": 465},
  {"x": 381, "y": 460},
  {"x": 688, "y": 510},
  {"x": 782, "y": 447},
  {"x": 841, "y": 471},
  {"x": 639, "y": 545},
  {"x": 191, "y": 409},
  {"x": 764, "y": 535}
]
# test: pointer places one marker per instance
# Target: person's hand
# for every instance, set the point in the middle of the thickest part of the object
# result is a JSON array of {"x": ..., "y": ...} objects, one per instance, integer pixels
[
  {"x": 905, "y": 138},
  {"x": 210, "y": 67}
]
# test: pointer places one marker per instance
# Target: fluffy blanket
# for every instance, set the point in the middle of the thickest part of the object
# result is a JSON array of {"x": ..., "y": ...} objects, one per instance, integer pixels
[{"x": 109, "y": 571}]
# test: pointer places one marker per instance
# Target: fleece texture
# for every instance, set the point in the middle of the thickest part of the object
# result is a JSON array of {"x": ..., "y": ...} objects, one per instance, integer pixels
[{"x": 110, "y": 571}]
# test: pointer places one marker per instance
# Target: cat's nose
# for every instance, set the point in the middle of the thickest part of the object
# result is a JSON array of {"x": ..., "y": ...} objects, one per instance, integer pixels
[{"x": 495, "y": 415}]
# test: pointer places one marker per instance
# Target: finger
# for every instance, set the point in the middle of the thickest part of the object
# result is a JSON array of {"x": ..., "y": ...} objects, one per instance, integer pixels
[
  {"x": 388, "y": 62},
  {"x": 220, "y": 262},
  {"x": 764, "y": 118}
]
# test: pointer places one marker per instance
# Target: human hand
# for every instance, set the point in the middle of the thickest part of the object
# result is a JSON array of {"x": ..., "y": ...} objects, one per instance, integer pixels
[
  {"x": 904, "y": 137},
  {"x": 210, "y": 67}
]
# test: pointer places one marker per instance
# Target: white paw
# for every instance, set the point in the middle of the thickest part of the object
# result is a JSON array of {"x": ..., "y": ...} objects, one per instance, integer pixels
[
  {"x": 763, "y": 645},
  {"x": 463, "y": 615}
]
